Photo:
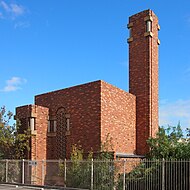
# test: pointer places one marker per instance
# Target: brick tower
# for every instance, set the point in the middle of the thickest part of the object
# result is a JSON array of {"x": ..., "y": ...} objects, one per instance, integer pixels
[{"x": 143, "y": 74}]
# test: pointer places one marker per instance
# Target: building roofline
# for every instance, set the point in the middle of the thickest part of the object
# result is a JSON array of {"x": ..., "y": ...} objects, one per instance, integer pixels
[
  {"x": 126, "y": 155},
  {"x": 151, "y": 12},
  {"x": 79, "y": 85}
]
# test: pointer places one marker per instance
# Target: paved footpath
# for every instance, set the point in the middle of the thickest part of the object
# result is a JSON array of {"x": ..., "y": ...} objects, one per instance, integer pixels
[
  {"x": 20, "y": 187},
  {"x": 17, "y": 187}
]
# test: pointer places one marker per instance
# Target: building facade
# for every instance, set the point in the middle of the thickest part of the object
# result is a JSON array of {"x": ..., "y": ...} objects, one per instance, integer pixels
[{"x": 91, "y": 114}]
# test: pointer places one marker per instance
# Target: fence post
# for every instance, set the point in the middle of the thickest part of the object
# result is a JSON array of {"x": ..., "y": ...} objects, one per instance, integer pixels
[
  {"x": 22, "y": 171},
  {"x": 6, "y": 171},
  {"x": 124, "y": 168},
  {"x": 163, "y": 174},
  {"x": 65, "y": 172},
  {"x": 92, "y": 175},
  {"x": 42, "y": 172}
]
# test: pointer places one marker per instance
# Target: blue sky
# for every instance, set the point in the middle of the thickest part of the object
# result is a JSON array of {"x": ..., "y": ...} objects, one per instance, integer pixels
[{"x": 50, "y": 45}]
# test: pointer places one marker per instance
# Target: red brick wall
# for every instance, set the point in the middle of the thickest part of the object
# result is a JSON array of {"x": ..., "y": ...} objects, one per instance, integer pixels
[
  {"x": 51, "y": 146},
  {"x": 143, "y": 76},
  {"x": 83, "y": 104},
  {"x": 23, "y": 113},
  {"x": 154, "y": 79},
  {"x": 118, "y": 118},
  {"x": 38, "y": 147},
  {"x": 38, "y": 137}
]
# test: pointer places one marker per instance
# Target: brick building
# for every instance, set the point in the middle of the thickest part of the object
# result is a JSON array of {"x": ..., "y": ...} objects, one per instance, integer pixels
[{"x": 90, "y": 113}]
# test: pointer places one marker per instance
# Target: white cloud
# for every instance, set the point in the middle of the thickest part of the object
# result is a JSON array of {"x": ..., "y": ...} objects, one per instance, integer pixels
[
  {"x": 5, "y": 6},
  {"x": 12, "y": 10},
  {"x": 173, "y": 112},
  {"x": 17, "y": 9},
  {"x": 13, "y": 84}
]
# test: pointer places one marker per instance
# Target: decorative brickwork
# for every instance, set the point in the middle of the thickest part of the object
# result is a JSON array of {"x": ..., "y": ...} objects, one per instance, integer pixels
[{"x": 61, "y": 134}]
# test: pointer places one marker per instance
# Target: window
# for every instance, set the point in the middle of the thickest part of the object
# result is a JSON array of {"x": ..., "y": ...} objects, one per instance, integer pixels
[
  {"x": 129, "y": 26},
  {"x": 148, "y": 26},
  {"x": 67, "y": 116},
  {"x": 130, "y": 32},
  {"x": 68, "y": 124},
  {"x": 32, "y": 125},
  {"x": 52, "y": 126}
]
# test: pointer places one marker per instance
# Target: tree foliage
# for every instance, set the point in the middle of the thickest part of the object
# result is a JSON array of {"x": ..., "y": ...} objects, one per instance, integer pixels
[
  {"x": 79, "y": 170},
  {"x": 167, "y": 158},
  {"x": 170, "y": 143},
  {"x": 13, "y": 144}
]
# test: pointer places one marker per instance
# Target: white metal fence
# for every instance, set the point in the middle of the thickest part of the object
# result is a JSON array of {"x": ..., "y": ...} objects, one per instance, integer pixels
[{"x": 99, "y": 175}]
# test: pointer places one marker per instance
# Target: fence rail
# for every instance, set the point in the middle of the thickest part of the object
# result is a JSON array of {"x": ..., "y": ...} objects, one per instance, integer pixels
[{"x": 98, "y": 174}]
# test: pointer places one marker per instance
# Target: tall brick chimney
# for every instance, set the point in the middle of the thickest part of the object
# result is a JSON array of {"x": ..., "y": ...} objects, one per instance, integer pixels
[{"x": 143, "y": 74}]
